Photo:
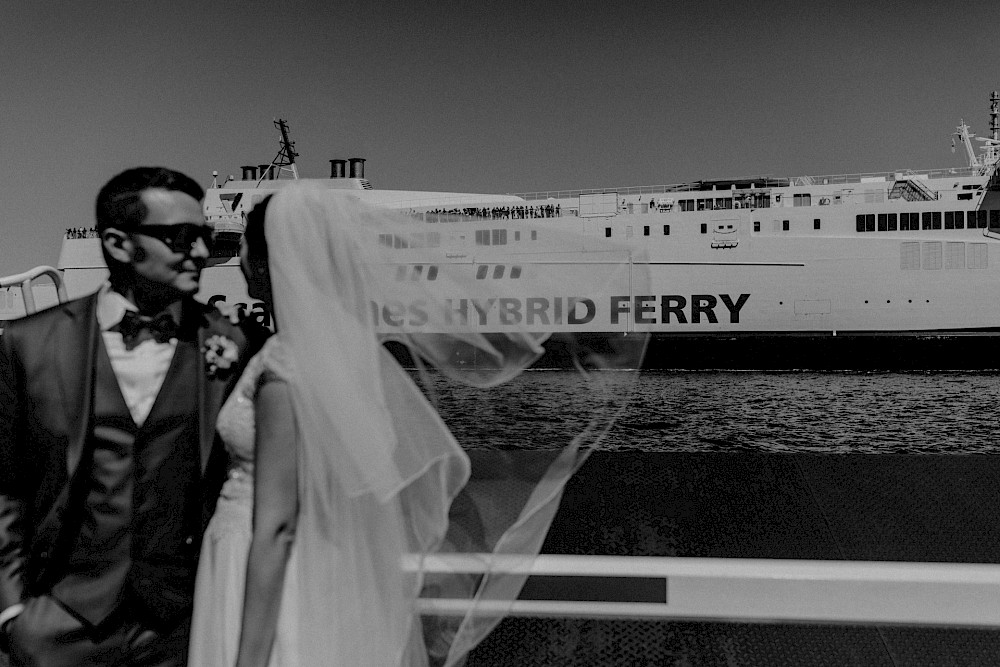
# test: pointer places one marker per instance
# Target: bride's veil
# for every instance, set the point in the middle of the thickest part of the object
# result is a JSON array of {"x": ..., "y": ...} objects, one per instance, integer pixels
[{"x": 386, "y": 486}]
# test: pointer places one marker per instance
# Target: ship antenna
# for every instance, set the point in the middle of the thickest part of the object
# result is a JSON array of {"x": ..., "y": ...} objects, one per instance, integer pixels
[
  {"x": 995, "y": 116},
  {"x": 965, "y": 137},
  {"x": 285, "y": 159}
]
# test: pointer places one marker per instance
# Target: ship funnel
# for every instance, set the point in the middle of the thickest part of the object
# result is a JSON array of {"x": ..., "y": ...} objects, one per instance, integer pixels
[
  {"x": 249, "y": 173},
  {"x": 267, "y": 171},
  {"x": 338, "y": 168},
  {"x": 357, "y": 167}
]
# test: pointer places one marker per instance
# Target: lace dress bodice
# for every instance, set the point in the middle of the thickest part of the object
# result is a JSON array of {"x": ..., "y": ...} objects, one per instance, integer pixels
[{"x": 236, "y": 422}]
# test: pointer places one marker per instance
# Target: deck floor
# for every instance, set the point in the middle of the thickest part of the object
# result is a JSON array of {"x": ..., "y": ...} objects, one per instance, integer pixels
[{"x": 810, "y": 506}]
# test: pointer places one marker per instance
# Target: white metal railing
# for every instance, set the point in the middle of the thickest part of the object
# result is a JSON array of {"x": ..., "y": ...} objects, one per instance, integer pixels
[
  {"x": 26, "y": 280},
  {"x": 736, "y": 589},
  {"x": 759, "y": 181}
]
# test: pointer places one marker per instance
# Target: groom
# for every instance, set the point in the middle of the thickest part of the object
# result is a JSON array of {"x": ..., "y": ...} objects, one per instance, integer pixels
[{"x": 110, "y": 462}]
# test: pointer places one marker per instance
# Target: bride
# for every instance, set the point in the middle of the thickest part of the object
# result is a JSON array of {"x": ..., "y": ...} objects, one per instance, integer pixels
[{"x": 341, "y": 466}]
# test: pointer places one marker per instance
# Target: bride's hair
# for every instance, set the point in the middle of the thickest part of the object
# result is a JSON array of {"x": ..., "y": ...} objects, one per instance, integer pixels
[{"x": 254, "y": 231}]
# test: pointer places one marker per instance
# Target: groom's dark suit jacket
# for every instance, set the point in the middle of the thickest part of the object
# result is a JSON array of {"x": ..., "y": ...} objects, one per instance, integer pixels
[{"x": 95, "y": 510}]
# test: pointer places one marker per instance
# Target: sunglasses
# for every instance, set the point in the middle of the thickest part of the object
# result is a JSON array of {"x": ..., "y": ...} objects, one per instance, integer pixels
[{"x": 180, "y": 238}]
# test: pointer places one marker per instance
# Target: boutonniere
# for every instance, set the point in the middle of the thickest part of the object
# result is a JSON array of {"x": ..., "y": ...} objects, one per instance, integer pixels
[{"x": 220, "y": 355}]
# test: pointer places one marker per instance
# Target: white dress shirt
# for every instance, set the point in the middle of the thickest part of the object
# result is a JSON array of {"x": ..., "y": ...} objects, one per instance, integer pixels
[{"x": 141, "y": 370}]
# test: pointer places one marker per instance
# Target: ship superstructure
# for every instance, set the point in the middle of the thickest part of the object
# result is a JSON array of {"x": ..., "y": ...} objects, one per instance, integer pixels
[{"x": 901, "y": 253}]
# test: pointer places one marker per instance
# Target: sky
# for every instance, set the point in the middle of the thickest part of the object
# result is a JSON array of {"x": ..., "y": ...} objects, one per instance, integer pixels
[{"x": 477, "y": 96}]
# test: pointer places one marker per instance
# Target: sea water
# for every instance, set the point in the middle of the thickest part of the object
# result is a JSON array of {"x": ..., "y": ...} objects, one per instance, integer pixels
[{"x": 737, "y": 411}]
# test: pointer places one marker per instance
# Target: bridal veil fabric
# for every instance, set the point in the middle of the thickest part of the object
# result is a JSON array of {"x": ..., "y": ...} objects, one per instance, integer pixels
[{"x": 398, "y": 509}]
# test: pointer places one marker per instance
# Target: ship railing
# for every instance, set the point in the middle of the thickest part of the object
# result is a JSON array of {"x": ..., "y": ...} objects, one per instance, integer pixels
[
  {"x": 732, "y": 589},
  {"x": 759, "y": 183},
  {"x": 26, "y": 282}
]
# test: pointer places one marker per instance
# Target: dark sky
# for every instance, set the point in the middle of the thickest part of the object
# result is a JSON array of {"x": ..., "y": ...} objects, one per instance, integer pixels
[{"x": 477, "y": 96}]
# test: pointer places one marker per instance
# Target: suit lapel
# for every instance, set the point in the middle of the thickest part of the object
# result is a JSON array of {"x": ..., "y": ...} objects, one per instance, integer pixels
[{"x": 77, "y": 336}]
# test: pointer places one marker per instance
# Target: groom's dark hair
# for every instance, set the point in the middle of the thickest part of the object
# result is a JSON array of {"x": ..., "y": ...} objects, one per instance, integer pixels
[
  {"x": 254, "y": 231},
  {"x": 119, "y": 203}
]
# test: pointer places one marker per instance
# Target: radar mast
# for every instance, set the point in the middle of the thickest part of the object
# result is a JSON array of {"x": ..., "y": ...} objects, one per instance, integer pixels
[{"x": 285, "y": 159}]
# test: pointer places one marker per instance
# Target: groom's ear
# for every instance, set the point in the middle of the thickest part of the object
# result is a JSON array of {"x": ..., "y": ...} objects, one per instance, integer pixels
[{"x": 117, "y": 245}]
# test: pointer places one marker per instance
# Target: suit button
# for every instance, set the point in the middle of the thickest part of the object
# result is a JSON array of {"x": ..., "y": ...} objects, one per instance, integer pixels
[
  {"x": 44, "y": 555},
  {"x": 189, "y": 540}
]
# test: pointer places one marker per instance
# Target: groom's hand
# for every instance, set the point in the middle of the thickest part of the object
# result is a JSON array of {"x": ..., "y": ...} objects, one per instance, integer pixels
[{"x": 5, "y": 635}]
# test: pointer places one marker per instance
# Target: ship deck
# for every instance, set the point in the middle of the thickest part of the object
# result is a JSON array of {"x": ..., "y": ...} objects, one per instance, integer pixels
[{"x": 919, "y": 508}]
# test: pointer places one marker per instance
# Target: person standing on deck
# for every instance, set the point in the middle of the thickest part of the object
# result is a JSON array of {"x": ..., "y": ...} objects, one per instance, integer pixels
[{"x": 111, "y": 463}]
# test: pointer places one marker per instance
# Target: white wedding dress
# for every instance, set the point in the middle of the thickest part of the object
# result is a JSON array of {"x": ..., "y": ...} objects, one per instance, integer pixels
[
  {"x": 218, "y": 599},
  {"x": 378, "y": 469}
]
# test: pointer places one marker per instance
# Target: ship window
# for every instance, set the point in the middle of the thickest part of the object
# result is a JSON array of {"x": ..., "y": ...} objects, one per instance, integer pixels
[
  {"x": 964, "y": 196},
  {"x": 909, "y": 255},
  {"x": 976, "y": 254},
  {"x": 892, "y": 222},
  {"x": 498, "y": 271},
  {"x": 859, "y": 222},
  {"x": 534, "y": 235},
  {"x": 949, "y": 220},
  {"x": 981, "y": 219},
  {"x": 701, "y": 204},
  {"x": 954, "y": 255},
  {"x": 930, "y": 255},
  {"x": 385, "y": 239},
  {"x": 936, "y": 219},
  {"x": 645, "y": 230},
  {"x": 517, "y": 235},
  {"x": 883, "y": 222},
  {"x": 666, "y": 230},
  {"x": 926, "y": 219},
  {"x": 687, "y": 204},
  {"x": 499, "y": 237},
  {"x": 909, "y": 221},
  {"x": 756, "y": 225},
  {"x": 959, "y": 219},
  {"x": 704, "y": 228},
  {"x": 815, "y": 223},
  {"x": 481, "y": 272},
  {"x": 607, "y": 232},
  {"x": 432, "y": 273},
  {"x": 400, "y": 273},
  {"x": 784, "y": 225},
  {"x": 870, "y": 222},
  {"x": 482, "y": 237},
  {"x": 994, "y": 219},
  {"x": 515, "y": 272},
  {"x": 418, "y": 271},
  {"x": 802, "y": 200}
]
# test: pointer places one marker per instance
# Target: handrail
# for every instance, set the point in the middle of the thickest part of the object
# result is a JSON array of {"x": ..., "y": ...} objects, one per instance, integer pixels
[
  {"x": 25, "y": 280},
  {"x": 760, "y": 181},
  {"x": 744, "y": 590}
]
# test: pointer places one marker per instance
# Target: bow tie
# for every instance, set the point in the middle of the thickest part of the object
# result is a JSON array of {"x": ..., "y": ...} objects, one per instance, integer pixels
[{"x": 136, "y": 328}]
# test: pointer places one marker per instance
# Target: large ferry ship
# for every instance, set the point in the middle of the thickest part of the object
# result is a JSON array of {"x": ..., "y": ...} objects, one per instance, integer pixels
[{"x": 865, "y": 270}]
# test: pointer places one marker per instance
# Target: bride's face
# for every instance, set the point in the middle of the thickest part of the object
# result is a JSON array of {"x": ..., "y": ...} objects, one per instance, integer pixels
[{"x": 256, "y": 273}]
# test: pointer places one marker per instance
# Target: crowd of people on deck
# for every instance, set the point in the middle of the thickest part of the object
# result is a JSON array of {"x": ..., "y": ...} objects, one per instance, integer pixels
[
  {"x": 503, "y": 212},
  {"x": 81, "y": 233}
]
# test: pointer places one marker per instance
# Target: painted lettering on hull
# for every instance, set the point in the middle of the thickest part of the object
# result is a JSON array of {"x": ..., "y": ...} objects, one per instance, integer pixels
[
  {"x": 675, "y": 308},
  {"x": 557, "y": 311}
]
